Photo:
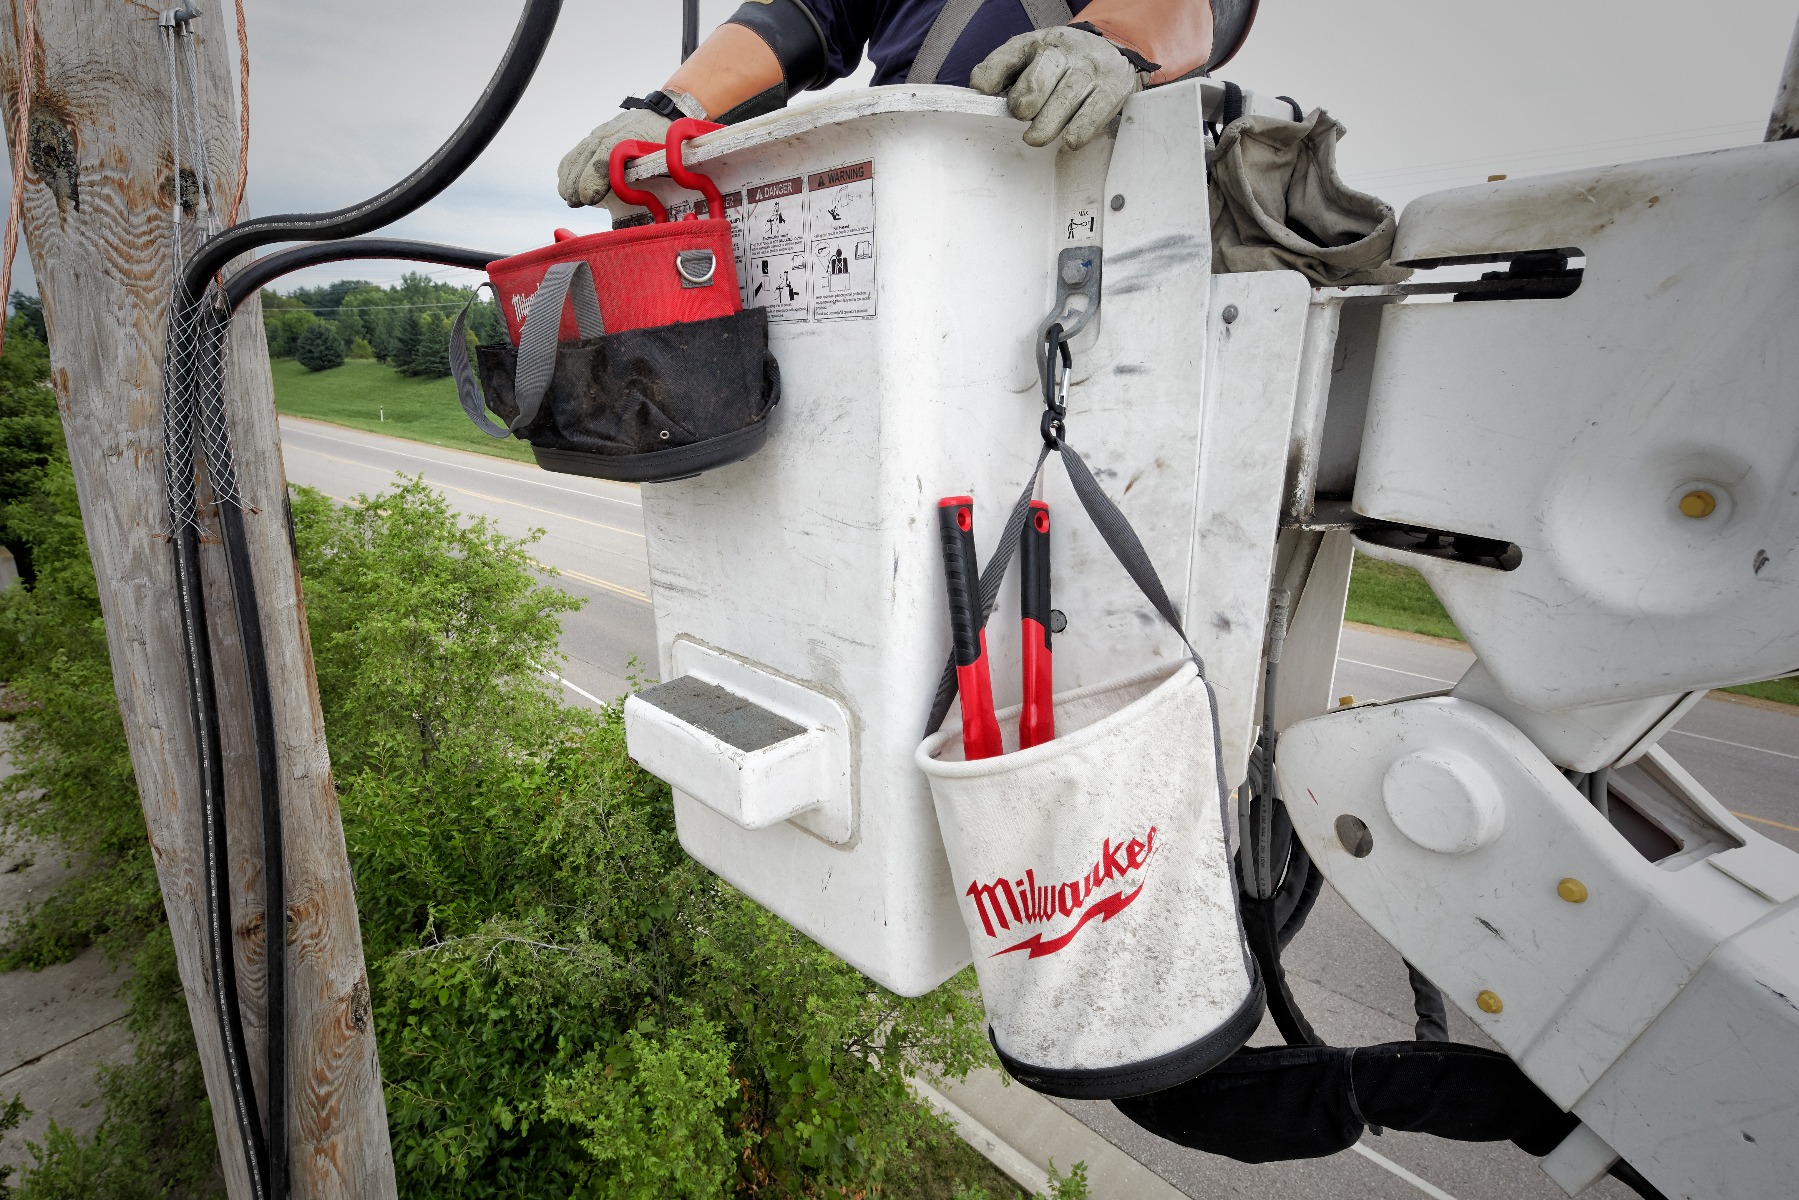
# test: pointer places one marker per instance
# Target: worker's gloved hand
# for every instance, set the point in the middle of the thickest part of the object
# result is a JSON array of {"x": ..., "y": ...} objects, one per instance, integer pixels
[
  {"x": 1066, "y": 82},
  {"x": 581, "y": 178}
]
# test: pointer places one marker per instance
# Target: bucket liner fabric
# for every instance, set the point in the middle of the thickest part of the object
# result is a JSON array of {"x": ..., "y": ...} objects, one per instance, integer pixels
[
  {"x": 1278, "y": 205},
  {"x": 1093, "y": 872}
]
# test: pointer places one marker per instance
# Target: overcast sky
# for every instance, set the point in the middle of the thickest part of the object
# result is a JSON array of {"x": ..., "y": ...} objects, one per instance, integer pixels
[{"x": 347, "y": 95}]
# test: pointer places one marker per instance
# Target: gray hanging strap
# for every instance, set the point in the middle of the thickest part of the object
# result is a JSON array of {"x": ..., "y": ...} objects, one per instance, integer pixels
[
  {"x": 468, "y": 388},
  {"x": 1124, "y": 544},
  {"x": 536, "y": 364},
  {"x": 1119, "y": 537}
]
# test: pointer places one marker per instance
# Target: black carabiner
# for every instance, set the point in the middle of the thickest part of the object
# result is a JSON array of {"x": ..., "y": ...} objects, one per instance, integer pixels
[{"x": 1055, "y": 386}]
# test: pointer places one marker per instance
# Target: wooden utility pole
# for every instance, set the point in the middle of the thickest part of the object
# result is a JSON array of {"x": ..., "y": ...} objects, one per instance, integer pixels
[{"x": 97, "y": 199}]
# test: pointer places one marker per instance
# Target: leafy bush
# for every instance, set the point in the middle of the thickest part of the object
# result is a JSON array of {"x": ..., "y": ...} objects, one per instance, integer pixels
[
  {"x": 319, "y": 348},
  {"x": 566, "y": 1004},
  {"x": 360, "y": 348}
]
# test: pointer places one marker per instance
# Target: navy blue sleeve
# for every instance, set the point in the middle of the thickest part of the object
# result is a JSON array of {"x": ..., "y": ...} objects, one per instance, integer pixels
[{"x": 847, "y": 26}]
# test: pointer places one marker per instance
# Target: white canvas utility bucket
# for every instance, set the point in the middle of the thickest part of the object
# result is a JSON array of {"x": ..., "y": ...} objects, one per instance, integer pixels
[{"x": 1093, "y": 872}]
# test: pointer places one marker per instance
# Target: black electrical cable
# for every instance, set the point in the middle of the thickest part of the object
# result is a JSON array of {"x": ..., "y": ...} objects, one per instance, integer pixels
[
  {"x": 267, "y": 1165},
  {"x": 246, "y": 282},
  {"x": 529, "y": 40},
  {"x": 690, "y": 28}
]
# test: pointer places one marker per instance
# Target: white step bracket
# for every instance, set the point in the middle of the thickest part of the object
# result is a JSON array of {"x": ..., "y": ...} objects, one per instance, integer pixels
[{"x": 755, "y": 748}]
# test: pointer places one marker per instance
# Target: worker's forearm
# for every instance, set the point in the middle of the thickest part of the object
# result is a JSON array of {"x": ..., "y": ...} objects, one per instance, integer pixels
[
  {"x": 1175, "y": 34},
  {"x": 730, "y": 67}
]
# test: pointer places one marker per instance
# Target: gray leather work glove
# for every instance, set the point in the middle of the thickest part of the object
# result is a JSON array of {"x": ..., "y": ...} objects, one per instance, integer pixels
[
  {"x": 581, "y": 177},
  {"x": 1067, "y": 83}
]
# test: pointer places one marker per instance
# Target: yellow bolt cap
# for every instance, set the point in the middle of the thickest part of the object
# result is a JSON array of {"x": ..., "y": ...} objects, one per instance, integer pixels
[
  {"x": 1572, "y": 890},
  {"x": 1698, "y": 504},
  {"x": 1345, "y": 701},
  {"x": 1489, "y": 1002}
]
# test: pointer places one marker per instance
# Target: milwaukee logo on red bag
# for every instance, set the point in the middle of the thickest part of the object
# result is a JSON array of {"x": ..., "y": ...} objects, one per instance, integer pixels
[{"x": 1025, "y": 902}]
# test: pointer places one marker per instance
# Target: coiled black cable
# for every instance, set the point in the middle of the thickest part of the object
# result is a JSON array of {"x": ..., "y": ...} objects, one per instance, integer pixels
[{"x": 267, "y": 1165}]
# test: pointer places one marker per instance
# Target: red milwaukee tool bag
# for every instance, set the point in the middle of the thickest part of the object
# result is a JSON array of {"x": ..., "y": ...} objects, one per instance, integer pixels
[
  {"x": 629, "y": 355},
  {"x": 1093, "y": 871}
]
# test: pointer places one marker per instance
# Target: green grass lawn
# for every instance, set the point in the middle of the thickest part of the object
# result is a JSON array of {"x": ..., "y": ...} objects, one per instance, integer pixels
[
  {"x": 1396, "y": 597},
  {"x": 361, "y": 392}
]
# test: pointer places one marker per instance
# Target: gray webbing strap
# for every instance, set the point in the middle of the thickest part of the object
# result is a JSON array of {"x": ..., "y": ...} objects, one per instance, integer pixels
[
  {"x": 953, "y": 20},
  {"x": 468, "y": 388},
  {"x": 536, "y": 344},
  {"x": 1044, "y": 13},
  {"x": 1119, "y": 537}
]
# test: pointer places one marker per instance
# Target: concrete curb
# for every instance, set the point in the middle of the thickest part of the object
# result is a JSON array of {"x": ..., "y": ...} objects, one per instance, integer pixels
[{"x": 1021, "y": 1132}]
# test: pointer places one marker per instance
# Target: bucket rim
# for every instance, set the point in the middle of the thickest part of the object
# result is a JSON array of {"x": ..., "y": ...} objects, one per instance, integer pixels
[{"x": 1173, "y": 678}]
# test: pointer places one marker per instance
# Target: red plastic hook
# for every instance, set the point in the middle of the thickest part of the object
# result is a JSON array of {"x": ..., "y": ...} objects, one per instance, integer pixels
[
  {"x": 615, "y": 171},
  {"x": 682, "y": 131}
]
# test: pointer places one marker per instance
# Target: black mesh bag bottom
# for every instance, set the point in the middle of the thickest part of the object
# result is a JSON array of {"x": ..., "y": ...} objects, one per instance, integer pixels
[{"x": 647, "y": 405}]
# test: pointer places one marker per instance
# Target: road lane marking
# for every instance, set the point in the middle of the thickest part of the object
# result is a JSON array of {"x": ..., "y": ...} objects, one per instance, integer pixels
[
  {"x": 1380, "y": 1160},
  {"x": 1395, "y": 670},
  {"x": 455, "y": 466},
  {"x": 595, "y": 581},
  {"x": 548, "y": 512},
  {"x": 1737, "y": 745},
  {"x": 1764, "y": 821},
  {"x": 577, "y": 689}
]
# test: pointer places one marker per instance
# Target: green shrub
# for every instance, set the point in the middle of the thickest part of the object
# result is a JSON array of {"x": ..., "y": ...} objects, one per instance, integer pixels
[
  {"x": 319, "y": 348},
  {"x": 360, "y": 349},
  {"x": 565, "y": 1003}
]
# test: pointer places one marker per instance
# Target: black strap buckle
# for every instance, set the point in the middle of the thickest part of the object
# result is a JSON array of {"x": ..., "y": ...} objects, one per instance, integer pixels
[{"x": 657, "y": 103}]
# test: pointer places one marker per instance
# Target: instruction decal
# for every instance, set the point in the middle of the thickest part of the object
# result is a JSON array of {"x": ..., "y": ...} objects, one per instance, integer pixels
[
  {"x": 734, "y": 214},
  {"x": 775, "y": 249},
  {"x": 841, "y": 242}
]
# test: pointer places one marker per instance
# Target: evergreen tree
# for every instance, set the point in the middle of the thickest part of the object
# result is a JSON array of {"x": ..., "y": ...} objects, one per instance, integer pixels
[
  {"x": 403, "y": 341},
  {"x": 430, "y": 356},
  {"x": 31, "y": 310},
  {"x": 319, "y": 348}
]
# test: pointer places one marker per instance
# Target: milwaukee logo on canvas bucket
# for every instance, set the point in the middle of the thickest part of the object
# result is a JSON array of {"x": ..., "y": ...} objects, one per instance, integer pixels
[{"x": 1006, "y": 903}]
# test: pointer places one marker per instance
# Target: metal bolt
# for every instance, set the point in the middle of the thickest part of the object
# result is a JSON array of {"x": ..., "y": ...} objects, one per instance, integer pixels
[
  {"x": 1118, "y": 202},
  {"x": 1572, "y": 890},
  {"x": 1058, "y": 620},
  {"x": 1229, "y": 314},
  {"x": 1074, "y": 272},
  {"x": 1353, "y": 833},
  {"x": 1489, "y": 1002},
  {"x": 1698, "y": 503}
]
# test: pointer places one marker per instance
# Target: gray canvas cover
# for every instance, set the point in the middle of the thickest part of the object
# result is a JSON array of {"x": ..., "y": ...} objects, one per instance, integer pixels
[{"x": 1278, "y": 205}]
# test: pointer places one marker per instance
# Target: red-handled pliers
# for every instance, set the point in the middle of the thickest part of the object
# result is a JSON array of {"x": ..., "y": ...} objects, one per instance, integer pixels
[
  {"x": 980, "y": 731},
  {"x": 1037, "y": 723}
]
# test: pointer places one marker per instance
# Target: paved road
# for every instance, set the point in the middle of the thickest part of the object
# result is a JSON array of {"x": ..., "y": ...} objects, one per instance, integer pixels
[{"x": 1350, "y": 982}]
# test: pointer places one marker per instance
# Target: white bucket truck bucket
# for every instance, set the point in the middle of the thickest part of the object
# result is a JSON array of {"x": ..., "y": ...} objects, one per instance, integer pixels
[{"x": 908, "y": 246}]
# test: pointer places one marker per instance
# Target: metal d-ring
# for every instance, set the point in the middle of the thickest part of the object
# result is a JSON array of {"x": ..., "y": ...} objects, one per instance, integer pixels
[{"x": 684, "y": 258}]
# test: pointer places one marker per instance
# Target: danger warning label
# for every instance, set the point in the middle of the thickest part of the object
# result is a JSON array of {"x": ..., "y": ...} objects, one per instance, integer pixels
[
  {"x": 841, "y": 242},
  {"x": 774, "y": 228}
]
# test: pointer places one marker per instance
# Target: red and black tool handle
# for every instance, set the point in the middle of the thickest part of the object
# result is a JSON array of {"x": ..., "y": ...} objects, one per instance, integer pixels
[
  {"x": 980, "y": 731},
  {"x": 1037, "y": 723}
]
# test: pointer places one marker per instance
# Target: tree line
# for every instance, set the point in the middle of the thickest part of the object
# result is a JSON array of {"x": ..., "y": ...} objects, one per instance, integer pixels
[{"x": 405, "y": 326}]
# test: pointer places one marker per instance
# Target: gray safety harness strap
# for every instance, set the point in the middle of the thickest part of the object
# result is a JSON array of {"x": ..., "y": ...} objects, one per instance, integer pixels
[
  {"x": 566, "y": 282},
  {"x": 953, "y": 20}
]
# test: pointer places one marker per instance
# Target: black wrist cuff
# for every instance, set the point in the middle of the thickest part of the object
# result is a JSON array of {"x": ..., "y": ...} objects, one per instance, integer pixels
[
  {"x": 791, "y": 31},
  {"x": 1131, "y": 56},
  {"x": 657, "y": 103},
  {"x": 772, "y": 100}
]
